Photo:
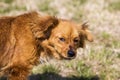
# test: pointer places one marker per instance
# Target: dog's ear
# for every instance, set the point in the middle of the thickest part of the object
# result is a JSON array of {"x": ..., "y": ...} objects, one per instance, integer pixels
[
  {"x": 84, "y": 34},
  {"x": 87, "y": 32},
  {"x": 44, "y": 27}
]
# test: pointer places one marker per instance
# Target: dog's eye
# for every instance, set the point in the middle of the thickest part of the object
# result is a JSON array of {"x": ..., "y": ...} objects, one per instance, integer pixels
[
  {"x": 76, "y": 40},
  {"x": 62, "y": 39}
]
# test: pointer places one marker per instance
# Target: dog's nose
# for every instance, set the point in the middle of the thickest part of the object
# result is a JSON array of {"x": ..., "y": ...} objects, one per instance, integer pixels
[{"x": 71, "y": 53}]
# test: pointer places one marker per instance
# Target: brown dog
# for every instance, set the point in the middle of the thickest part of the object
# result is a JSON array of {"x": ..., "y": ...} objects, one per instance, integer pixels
[
  {"x": 20, "y": 39},
  {"x": 26, "y": 37},
  {"x": 65, "y": 39}
]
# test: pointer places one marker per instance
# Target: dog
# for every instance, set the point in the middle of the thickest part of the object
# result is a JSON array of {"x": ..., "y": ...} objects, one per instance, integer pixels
[
  {"x": 27, "y": 37},
  {"x": 65, "y": 39},
  {"x": 20, "y": 39}
]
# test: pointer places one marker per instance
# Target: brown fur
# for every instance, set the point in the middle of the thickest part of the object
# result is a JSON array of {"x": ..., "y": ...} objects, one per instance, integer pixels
[
  {"x": 20, "y": 39},
  {"x": 25, "y": 37},
  {"x": 66, "y": 36}
]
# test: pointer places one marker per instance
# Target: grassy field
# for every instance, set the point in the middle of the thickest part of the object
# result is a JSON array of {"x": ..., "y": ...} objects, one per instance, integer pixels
[{"x": 100, "y": 60}]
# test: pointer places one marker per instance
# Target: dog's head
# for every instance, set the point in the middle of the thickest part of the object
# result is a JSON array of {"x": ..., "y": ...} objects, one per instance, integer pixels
[
  {"x": 67, "y": 37},
  {"x": 59, "y": 37}
]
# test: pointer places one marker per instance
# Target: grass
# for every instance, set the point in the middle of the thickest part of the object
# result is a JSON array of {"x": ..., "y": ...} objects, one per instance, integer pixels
[
  {"x": 45, "y": 71},
  {"x": 98, "y": 63},
  {"x": 105, "y": 59},
  {"x": 114, "y": 6},
  {"x": 118, "y": 56},
  {"x": 75, "y": 7},
  {"x": 76, "y": 3},
  {"x": 13, "y": 8},
  {"x": 7, "y": 1},
  {"x": 48, "y": 68},
  {"x": 101, "y": 63},
  {"x": 44, "y": 6},
  {"x": 109, "y": 40},
  {"x": 80, "y": 69},
  {"x": 10, "y": 7},
  {"x": 83, "y": 69},
  {"x": 116, "y": 43},
  {"x": 105, "y": 35}
]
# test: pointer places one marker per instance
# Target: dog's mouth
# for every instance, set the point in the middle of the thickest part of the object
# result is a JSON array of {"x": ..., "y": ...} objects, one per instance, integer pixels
[{"x": 48, "y": 58}]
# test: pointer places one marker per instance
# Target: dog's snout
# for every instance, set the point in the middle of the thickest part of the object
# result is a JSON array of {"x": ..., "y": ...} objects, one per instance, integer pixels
[
  {"x": 71, "y": 53},
  {"x": 70, "y": 46}
]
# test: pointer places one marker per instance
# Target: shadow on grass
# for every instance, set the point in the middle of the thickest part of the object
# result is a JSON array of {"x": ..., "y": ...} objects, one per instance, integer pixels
[
  {"x": 3, "y": 78},
  {"x": 54, "y": 76}
]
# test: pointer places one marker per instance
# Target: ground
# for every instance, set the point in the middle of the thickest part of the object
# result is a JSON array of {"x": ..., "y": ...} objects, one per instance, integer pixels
[{"x": 100, "y": 60}]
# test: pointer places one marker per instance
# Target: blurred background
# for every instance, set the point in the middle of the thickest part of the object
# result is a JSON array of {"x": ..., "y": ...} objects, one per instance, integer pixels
[{"x": 100, "y": 60}]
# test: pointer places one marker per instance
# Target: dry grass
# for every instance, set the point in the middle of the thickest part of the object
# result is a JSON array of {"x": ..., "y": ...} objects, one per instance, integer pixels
[{"x": 101, "y": 59}]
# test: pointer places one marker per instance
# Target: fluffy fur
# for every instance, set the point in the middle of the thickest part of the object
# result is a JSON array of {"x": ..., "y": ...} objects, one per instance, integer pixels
[
  {"x": 65, "y": 39},
  {"x": 27, "y": 37},
  {"x": 20, "y": 39}
]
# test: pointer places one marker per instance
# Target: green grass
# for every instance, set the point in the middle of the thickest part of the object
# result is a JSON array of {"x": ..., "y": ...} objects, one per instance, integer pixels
[
  {"x": 83, "y": 69},
  {"x": 116, "y": 43},
  {"x": 48, "y": 68},
  {"x": 114, "y": 6},
  {"x": 109, "y": 40},
  {"x": 44, "y": 6},
  {"x": 105, "y": 59},
  {"x": 7, "y": 1},
  {"x": 105, "y": 35},
  {"x": 75, "y": 7},
  {"x": 11, "y": 8},
  {"x": 101, "y": 63},
  {"x": 80, "y": 68},
  {"x": 97, "y": 64},
  {"x": 118, "y": 56},
  {"x": 76, "y": 3}
]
